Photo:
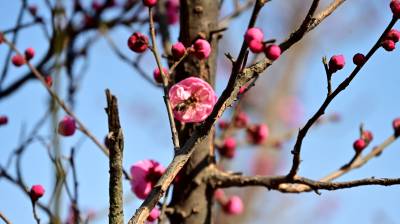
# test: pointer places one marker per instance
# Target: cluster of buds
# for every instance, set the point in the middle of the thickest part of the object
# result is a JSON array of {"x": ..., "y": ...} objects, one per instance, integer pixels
[
  {"x": 365, "y": 138},
  {"x": 254, "y": 39},
  {"x": 232, "y": 205},
  {"x": 19, "y": 60},
  {"x": 256, "y": 134},
  {"x": 390, "y": 40}
]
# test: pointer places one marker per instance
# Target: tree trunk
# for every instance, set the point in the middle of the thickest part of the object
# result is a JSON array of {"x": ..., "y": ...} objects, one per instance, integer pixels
[{"x": 191, "y": 199}]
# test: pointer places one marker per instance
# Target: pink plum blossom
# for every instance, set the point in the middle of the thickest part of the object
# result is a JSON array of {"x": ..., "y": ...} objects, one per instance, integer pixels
[
  {"x": 145, "y": 175},
  {"x": 192, "y": 100},
  {"x": 228, "y": 148},
  {"x": 234, "y": 206}
]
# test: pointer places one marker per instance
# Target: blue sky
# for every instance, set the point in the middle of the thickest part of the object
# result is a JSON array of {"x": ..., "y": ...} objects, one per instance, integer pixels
[{"x": 372, "y": 99}]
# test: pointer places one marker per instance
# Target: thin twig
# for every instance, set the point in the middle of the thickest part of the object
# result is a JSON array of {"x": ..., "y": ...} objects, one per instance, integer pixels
[
  {"x": 4, "y": 218},
  {"x": 342, "y": 86},
  {"x": 174, "y": 132}
]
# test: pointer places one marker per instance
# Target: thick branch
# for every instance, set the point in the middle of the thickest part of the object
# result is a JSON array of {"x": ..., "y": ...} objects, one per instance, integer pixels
[
  {"x": 115, "y": 143},
  {"x": 228, "y": 96},
  {"x": 224, "y": 180}
]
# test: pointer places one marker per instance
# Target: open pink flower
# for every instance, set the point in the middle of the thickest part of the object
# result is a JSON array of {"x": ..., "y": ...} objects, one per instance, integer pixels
[
  {"x": 145, "y": 175},
  {"x": 192, "y": 100}
]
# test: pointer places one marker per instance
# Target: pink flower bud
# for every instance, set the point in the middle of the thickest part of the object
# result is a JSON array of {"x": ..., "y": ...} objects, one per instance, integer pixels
[
  {"x": 272, "y": 52},
  {"x": 254, "y": 34},
  {"x": 219, "y": 195},
  {"x": 395, "y": 7},
  {"x": 336, "y": 63},
  {"x": 67, "y": 126},
  {"x": 394, "y": 35},
  {"x": 149, "y": 3},
  {"x": 138, "y": 42},
  {"x": 234, "y": 206},
  {"x": 257, "y": 134},
  {"x": 396, "y": 126},
  {"x": 256, "y": 46},
  {"x": 32, "y": 10},
  {"x": 154, "y": 214},
  {"x": 202, "y": 49},
  {"x": 359, "y": 145},
  {"x": 29, "y": 53},
  {"x": 228, "y": 148},
  {"x": 192, "y": 100},
  {"x": 178, "y": 50},
  {"x": 172, "y": 7},
  {"x": 359, "y": 59},
  {"x": 1, "y": 37},
  {"x": 241, "y": 120},
  {"x": 3, "y": 120},
  {"x": 157, "y": 74},
  {"x": 145, "y": 175},
  {"x": 37, "y": 191},
  {"x": 18, "y": 60},
  {"x": 367, "y": 136},
  {"x": 388, "y": 45}
]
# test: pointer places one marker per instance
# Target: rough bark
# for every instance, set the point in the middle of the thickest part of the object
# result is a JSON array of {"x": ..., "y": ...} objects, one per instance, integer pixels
[{"x": 192, "y": 199}]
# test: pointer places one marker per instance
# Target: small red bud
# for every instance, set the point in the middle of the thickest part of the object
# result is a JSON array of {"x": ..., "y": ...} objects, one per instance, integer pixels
[
  {"x": 336, "y": 62},
  {"x": 367, "y": 136},
  {"x": 359, "y": 59},
  {"x": 257, "y": 134},
  {"x": 202, "y": 49},
  {"x": 228, "y": 148},
  {"x": 37, "y": 191},
  {"x": 1, "y": 38},
  {"x": 67, "y": 126},
  {"x": 388, "y": 45},
  {"x": 157, "y": 74},
  {"x": 18, "y": 60},
  {"x": 256, "y": 46},
  {"x": 359, "y": 145},
  {"x": 394, "y": 35},
  {"x": 396, "y": 125},
  {"x": 241, "y": 120},
  {"x": 234, "y": 206},
  {"x": 3, "y": 120},
  {"x": 138, "y": 42},
  {"x": 254, "y": 34},
  {"x": 395, "y": 7},
  {"x": 149, "y": 3},
  {"x": 49, "y": 80},
  {"x": 223, "y": 124},
  {"x": 178, "y": 50},
  {"x": 272, "y": 52},
  {"x": 32, "y": 10},
  {"x": 29, "y": 53}
]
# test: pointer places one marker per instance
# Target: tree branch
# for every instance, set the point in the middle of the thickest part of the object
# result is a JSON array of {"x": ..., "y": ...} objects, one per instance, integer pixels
[{"x": 115, "y": 143}]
